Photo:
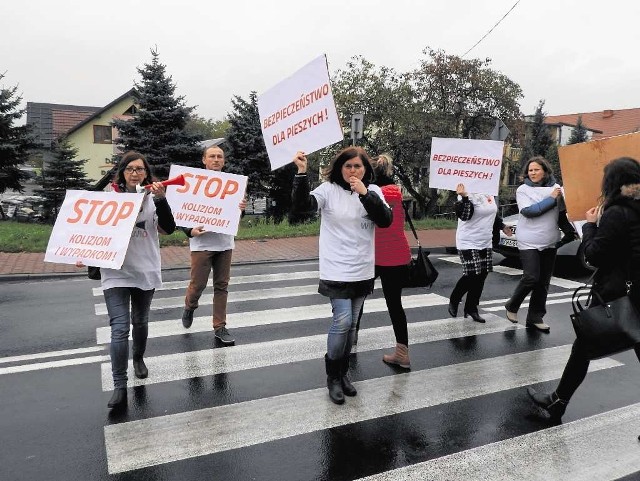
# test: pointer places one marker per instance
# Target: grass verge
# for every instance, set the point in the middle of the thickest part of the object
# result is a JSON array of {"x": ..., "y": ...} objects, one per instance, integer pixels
[{"x": 21, "y": 237}]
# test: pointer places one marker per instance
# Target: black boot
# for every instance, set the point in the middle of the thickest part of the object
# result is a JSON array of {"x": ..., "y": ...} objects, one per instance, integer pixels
[
  {"x": 139, "y": 335},
  {"x": 140, "y": 368},
  {"x": 334, "y": 383},
  {"x": 551, "y": 403},
  {"x": 347, "y": 388},
  {"x": 118, "y": 399}
]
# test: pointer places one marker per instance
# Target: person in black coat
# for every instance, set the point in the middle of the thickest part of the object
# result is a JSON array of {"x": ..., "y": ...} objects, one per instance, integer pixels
[{"x": 611, "y": 240}]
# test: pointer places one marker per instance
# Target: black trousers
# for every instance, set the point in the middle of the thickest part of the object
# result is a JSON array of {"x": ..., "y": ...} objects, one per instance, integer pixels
[
  {"x": 471, "y": 285},
  {"x": 576, "y": 370},
  {"x": 392, "y": 278},
  {"x": 537, "y": 267}
]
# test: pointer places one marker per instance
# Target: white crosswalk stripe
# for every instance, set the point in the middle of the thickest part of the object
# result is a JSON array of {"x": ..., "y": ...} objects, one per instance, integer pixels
[
  {"x": 191, "y": 434},
  {"x": 207, "y": 362},
  {"x": 570, "y": 457},
  {"x": 195, "y": 433},
  {"x": 272, "y": 316}
]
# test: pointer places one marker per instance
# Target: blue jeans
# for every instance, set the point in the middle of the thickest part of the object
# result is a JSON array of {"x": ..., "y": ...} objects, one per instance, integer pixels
[
  {"x": 124, "y": 305},
  {"x": 343, "y": 326}
]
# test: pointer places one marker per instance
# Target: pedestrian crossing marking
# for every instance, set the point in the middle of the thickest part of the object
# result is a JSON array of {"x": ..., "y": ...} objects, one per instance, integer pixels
[
  {"x": 322, "y": 311},
  {"x": 189, "y": 434},
  {"x": 560, "y": 452},
  {"x": 208, "y": 362}
]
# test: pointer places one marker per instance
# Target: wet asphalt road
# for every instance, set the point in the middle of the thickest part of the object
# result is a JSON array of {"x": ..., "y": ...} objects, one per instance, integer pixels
[{"x": 236, "y": 419}]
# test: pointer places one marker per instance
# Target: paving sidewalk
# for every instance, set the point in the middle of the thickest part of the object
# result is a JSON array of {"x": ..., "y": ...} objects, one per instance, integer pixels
[{"x": 21, "y": 266}]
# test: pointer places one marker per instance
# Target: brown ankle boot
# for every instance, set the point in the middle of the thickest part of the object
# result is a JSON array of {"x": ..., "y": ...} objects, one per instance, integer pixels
[{"x": 400, "y": 357}]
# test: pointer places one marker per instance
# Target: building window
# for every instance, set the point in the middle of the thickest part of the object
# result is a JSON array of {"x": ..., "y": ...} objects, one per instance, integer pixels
[{"x": 102, "y": 134}]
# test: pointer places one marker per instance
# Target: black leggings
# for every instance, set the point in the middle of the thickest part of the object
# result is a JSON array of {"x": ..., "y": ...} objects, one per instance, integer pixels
[
  {"x": 392, "y": 278},
  {"x": 472, "y": 285}
]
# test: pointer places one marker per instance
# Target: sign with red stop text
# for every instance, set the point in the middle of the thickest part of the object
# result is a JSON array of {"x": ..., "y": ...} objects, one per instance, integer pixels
[
  {"x": 299, "y": 114},
  {"x": 474, "y": 163},
  {"x": 93, "y": 227},
  {"x": 208, "y": 198}
]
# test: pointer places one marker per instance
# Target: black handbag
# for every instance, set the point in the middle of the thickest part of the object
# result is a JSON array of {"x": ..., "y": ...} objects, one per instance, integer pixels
[
  {"x": 93, "y": 273},
  {"x": 607, "y": 327},
  {"x": 421, "y": 272}
]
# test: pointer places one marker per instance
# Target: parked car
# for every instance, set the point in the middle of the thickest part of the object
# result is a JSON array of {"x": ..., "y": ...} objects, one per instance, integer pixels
[{"x": 508, "y": 246}]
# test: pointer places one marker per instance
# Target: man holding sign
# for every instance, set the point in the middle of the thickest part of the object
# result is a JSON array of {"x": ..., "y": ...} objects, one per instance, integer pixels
[{"x": 210, "y": 251}]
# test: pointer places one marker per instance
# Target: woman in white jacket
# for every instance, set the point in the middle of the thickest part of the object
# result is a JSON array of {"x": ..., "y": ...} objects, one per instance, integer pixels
[{"x": 537, "y": 236}]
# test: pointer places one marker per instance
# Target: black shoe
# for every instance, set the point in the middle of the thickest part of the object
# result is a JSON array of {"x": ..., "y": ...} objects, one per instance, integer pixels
[
  {"x": 453, "y": 308},
  {"x": 223, "y": 334},
  {"x": 140, "y": 368},
  {"x": 187, "y": 318},
  {"x": 118, "y": 399},
  {"x": 475, "y": 316},
  {"x": 550, "y": 403}
]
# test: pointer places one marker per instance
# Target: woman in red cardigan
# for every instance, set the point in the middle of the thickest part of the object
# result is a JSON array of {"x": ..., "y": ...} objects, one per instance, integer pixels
[{"x": 392, "y": 257}]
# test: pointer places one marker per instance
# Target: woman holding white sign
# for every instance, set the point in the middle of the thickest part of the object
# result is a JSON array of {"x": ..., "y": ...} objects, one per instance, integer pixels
[
  {"x": 128, "y": 291},
  {"x": 477, "y": 220},
  {"x": 346, "y": 248},
  {"x": 537, "y": 235}
]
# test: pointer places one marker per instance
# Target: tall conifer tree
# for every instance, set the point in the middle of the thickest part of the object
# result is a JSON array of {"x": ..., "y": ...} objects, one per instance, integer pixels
[
  {"x": 15, "y": 140},
  {"x": 579, "y": 134},
  {"x": 64, "y": 172},
  {"x": 157, "y": 129}
]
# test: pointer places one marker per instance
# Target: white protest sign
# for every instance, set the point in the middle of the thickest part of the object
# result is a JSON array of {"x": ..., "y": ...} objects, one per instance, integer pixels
[
  {"x": 93, "y": 227},
  {"x": 474, "y": 163},
  {"x": 208, "y": 198},
  {"x": 299, "y": 114}
]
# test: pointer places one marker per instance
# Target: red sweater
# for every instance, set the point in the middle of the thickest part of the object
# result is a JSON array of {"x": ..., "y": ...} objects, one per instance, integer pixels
[{"x": 392, "y": 248}]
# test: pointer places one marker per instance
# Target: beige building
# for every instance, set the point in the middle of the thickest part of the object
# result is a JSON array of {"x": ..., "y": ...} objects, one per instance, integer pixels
[{"x": 95, "y": 137}]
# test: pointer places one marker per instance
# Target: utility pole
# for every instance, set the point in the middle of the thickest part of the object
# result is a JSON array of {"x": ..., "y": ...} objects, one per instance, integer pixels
[{"x": 357, "y": 127}]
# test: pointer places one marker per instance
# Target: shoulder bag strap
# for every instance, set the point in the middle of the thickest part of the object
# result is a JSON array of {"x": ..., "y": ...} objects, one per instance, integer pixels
[{"x": 408, "y": 219}]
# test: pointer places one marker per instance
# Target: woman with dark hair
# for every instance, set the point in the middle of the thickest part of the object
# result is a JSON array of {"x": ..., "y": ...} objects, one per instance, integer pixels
[
  {"x": 350, "y": 206},
  {"x": 611, "y": 241},
  {"x": 128, "y": 291},
  {"x": 538, "y": 198}
]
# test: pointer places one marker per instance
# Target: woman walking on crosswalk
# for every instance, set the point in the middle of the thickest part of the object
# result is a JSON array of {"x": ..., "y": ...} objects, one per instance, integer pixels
[
  {"x": 611, "y": 241},
  {"x": 350, "y": 206}
]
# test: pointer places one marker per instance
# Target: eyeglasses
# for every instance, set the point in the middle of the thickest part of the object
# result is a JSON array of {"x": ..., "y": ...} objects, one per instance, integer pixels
[{"x": 135, "y": 170}]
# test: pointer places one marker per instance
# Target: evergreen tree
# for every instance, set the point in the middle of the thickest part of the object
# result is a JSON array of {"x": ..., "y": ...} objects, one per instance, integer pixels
[
  {"x": 247, "y": 153},
  {"x": 15, "y": 141},
  {"x": 579, "y": 133},
  {"x": 157, "y": 130},
  {"x": 64, "y": 172},
  {"x": 554, "y": 159},
  {"x": 539, "y": 138}
]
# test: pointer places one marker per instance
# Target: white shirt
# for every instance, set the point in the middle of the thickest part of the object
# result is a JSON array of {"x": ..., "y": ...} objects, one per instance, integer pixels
[
  {"x": 212, "y": 242},
  {"x": 346, "y": 245},
  {"x": 477, "y": 232},
  {"x": 536, "y": 232},
  {"x": 141, "y": 266}
]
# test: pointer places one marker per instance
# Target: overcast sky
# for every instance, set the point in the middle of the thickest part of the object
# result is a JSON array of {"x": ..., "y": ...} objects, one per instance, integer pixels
[{"x": 578, "y": 55}]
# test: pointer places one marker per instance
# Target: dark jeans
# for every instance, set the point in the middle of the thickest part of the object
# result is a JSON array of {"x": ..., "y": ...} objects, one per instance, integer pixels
[
  {"x": 124, "y": 305},
  {"x": 576, "y": 370},
  {"x": 537, "y": 267},
  {"x": 392, "y": 278},
  {"x": 471, "y": 285}
]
